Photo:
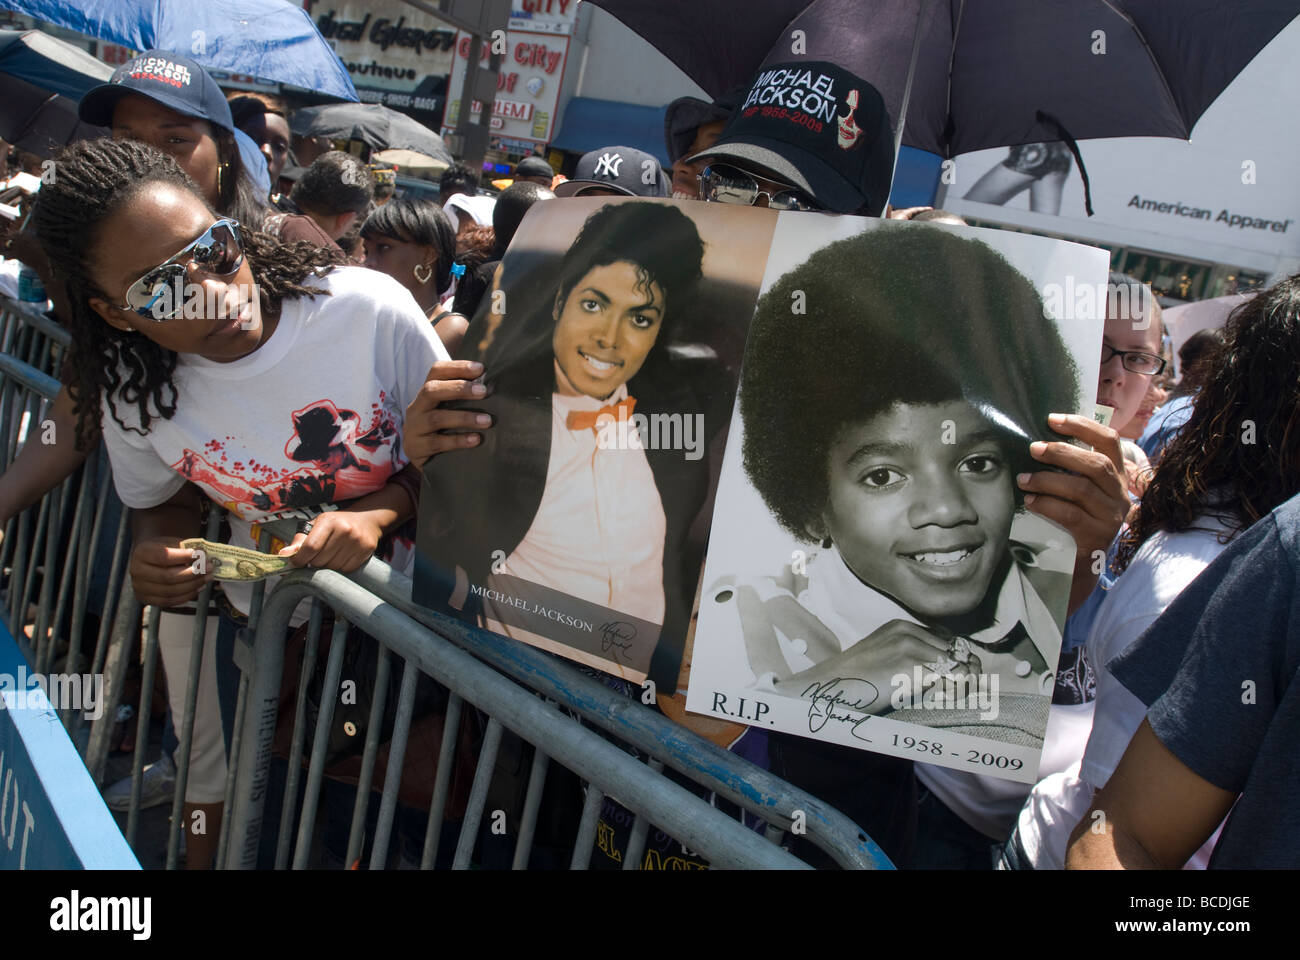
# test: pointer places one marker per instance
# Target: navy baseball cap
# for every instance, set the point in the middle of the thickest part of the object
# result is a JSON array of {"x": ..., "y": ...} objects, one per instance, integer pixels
[
  {"x": 818, "y": 127},
  {"x": 621, "y": 169},
  {"x": 168, "y": 78}
]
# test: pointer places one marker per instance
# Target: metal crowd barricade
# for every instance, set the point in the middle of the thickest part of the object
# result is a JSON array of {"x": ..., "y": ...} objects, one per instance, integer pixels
[
  {"x": 502, "y": 679},
  {"x": 742, "y": 783},
  {"x": 53, "y": 551},
  {"x": 60, "y": 548},
  {"x": 29, "y": 335},
  {"x": 49, "y": 560}
]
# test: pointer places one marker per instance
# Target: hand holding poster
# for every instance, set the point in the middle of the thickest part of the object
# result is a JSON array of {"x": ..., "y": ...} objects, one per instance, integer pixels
[
  {"x": 873, "y": 578},
  {"x": 612, "y": 348}
]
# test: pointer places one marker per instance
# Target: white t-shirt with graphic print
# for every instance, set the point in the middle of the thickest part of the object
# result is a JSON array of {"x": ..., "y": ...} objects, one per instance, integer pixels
[{"x": 311, "y": 417}]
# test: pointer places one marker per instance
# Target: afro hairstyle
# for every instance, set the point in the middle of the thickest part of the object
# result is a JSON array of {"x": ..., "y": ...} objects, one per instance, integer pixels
[{"x": 909, "y": 314}]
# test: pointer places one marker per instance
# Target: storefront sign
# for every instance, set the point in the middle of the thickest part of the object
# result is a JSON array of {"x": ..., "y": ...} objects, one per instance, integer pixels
[{"x": 528, "y": 85}]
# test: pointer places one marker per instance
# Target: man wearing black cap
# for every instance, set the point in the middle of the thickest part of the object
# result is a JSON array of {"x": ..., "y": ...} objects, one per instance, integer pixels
[
  {"x": 534, "y": 170},
  {"x": 616, "y": 172},
  {"x": 808, "y": 135}
]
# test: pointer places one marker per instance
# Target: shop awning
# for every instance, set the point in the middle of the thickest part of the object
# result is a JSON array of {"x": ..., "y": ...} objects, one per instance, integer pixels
[{"x": 590, "y": 124}]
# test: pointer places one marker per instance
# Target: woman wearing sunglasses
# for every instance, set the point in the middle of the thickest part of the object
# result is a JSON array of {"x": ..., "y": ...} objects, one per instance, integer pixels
[
  {"x": 190, "y": 121},
  {"x": 219, "y": 362},
  {"x": 247, "y": 385}
]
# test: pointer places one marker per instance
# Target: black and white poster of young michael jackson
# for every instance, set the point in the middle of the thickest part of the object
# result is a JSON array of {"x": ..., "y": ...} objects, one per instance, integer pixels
[{"x": 874, "y": 578}]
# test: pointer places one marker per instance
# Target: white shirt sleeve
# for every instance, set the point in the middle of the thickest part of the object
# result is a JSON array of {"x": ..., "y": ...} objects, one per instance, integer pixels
[
  {"x": 141, "y": 477},
  {"x": 407, "y": 344},
  {"x": 1118, "y": 713},
  {"x": 418, "y": 348}
]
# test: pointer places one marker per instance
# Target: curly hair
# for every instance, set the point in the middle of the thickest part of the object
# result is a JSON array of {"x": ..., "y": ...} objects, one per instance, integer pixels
[
  {"x": 655, "y": 236},
  {"x": 909, "y": 314},
  {"x": 458, "y": 178},
  {"x": 96, "y": 179},
  {"x": 336, "y": 182},
  {"x": 476, "y": 239},
  {"x": 1239, "y": 453}
]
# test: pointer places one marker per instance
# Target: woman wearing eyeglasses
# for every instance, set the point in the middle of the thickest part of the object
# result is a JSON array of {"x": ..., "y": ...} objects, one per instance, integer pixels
[
  {"x": 1130, "y": 351},
  {"x": 1209, "y": 486}
]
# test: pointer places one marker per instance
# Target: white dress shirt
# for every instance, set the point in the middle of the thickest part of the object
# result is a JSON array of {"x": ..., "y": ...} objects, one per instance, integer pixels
[{"x": 599, "y": 531}]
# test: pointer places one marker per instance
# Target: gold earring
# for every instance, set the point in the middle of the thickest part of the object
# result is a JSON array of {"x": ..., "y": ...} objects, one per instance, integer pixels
[
  {"x": 428, "y": 272},
  {"x": 221, "y": 180}
]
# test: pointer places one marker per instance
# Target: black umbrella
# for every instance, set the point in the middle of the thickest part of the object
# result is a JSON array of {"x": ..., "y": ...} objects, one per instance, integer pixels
[
  {"x": 41, "y": 80},
  {"x": 986, "y": 73},
  {"x": 375, "y": 125},
  {"x": 38, "y": 121}
]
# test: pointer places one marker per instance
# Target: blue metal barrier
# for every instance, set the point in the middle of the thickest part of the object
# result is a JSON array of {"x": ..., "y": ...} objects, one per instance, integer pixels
[{"x": 51, "y": 814}]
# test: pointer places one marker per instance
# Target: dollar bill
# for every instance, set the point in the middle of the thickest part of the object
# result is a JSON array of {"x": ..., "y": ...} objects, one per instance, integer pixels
[{"x": 236, "y": 563}]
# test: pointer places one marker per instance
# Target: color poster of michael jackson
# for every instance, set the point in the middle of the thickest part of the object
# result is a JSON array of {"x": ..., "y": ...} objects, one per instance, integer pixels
[
  {"x": 611, "y": 344},
  {"x": 874, "y": 578}
]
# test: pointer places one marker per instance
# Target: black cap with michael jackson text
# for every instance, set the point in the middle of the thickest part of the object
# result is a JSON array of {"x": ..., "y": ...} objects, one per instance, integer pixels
[
  {"x": 817, "y": 127},
  {"x": 168, "y": 78}
]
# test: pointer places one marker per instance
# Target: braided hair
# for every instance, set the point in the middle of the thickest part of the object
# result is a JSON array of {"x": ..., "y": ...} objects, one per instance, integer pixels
[{"x": 95, "y": 179}]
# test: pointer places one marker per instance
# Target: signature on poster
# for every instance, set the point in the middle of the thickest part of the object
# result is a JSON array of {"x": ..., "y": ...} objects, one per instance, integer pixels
[
  {"x": 617, "y": 635},
  {"x": 850, "y": 693}
]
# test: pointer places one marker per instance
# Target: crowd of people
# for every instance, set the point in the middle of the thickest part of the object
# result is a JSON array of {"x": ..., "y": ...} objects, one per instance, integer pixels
[{"x": 319, "y": 376}]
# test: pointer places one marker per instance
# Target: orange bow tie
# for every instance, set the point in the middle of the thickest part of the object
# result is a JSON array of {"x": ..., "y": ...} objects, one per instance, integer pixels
[{"x": 590, "y": 419}]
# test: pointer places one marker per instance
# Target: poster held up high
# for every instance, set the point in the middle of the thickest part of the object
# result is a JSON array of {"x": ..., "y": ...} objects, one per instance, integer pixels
[
  {"x": 611, "y": 342},
  {"x": 873, "y": 576}
]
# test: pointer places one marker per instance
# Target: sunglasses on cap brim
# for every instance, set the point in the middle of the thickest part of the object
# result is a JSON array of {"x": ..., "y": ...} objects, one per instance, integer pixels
[
  {"x": 723, "y": 183},
  {"x": 218, "y": 251}
]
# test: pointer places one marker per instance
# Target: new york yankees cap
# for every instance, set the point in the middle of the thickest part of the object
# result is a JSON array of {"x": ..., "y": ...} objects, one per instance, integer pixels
[
  {"x": 168, "y": 78},
  {"x": 624, "y": 170}
]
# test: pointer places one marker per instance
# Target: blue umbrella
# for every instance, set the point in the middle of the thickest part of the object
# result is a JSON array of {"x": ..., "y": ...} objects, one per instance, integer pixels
[
  {"x": 50, "y": 63},
  {"x": 272, "y": 40}
]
